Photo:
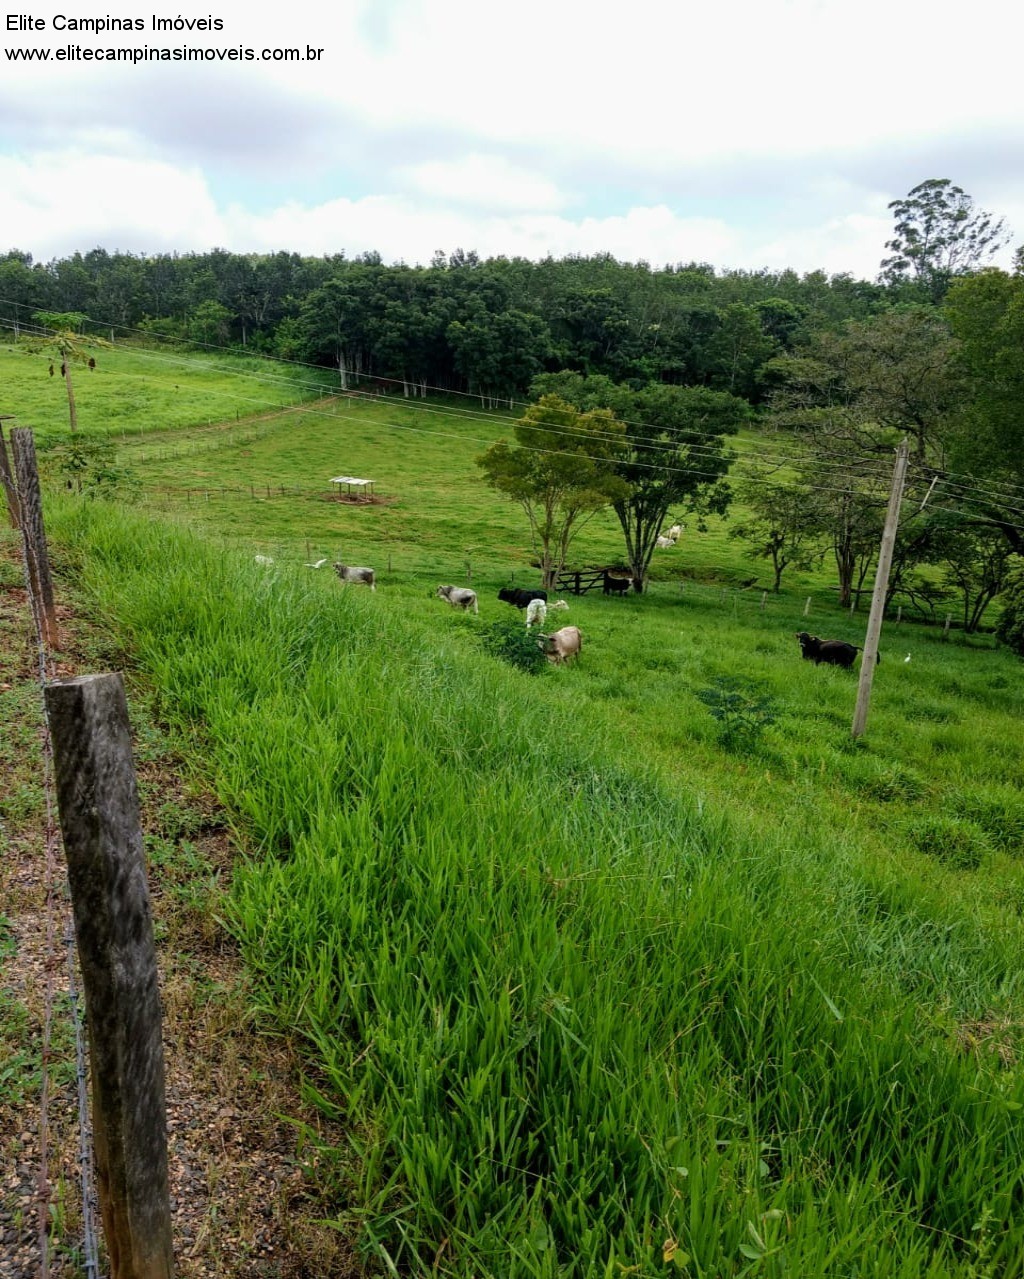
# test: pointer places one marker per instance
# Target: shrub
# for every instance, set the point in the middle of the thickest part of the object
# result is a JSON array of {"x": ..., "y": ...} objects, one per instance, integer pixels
[
  {"x": 1010, "y": 627},
  {"x": 513, "y": 643},
  {"x": 742, "y": 712}
]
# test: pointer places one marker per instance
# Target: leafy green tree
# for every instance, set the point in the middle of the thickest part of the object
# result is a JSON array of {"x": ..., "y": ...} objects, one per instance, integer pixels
[
  {"x": 938, "y": 236},
  {"x": 986, "y": 447},
  {"x": 872, "y": 383},
  {"x": 561, "y": 471},
  {"x": 675, "y": 459},
  {"x": 976, "y": 560},
  {"x": 1010, "y": 627},
  {"x": 22, "y": 289},
  {"x": 736, "y": 351},
  {"x": 210, "y": 324},
  {"x": 779, "y": 525},
  {"x": 498, "y": 354}
]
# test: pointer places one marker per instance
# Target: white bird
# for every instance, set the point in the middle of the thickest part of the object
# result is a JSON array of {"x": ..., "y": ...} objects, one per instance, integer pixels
[
  {"x": 907, "y": 658},
  {"x": 318, "y": 564}
]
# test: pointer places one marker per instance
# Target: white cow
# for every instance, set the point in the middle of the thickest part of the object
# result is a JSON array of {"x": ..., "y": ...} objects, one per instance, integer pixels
[
  {"x": 561, "y": 645},
  {"x": 663, "y": 543},
  {"x": 559, "y": 604},
  {"x": 359, "y": 576},
  {"x": 536, "y": 611},
  {"x": 459, "y": 597},
  {"x": 675, "y": 531},
  {"x": 265, "y": 560}
]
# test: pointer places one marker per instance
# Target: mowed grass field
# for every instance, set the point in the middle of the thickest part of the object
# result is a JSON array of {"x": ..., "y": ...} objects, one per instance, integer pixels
[{"x": 597, "y": 991}]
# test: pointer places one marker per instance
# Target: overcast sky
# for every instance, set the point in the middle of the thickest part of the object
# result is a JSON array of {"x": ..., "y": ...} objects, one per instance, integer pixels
[{"x": 745, "y": 133}]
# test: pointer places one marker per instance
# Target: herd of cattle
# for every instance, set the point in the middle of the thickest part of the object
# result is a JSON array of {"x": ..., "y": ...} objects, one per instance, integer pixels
[{"x": 567, "y": 642}]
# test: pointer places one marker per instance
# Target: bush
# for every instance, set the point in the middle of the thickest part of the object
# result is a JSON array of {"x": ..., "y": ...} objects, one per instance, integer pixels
[
  {"x": 1010, "y": 627},
  {"x": 513, "y": 643},
  {"x": 742, "y": 712}
]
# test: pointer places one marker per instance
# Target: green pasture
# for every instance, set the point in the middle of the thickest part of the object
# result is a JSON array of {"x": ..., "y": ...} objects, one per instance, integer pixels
[
  {"x": 596, "y": 991},
  {"x": 597, "y": 987},
  {"x": 137, "y": 389},
  {"x": 266, "y": 486}
]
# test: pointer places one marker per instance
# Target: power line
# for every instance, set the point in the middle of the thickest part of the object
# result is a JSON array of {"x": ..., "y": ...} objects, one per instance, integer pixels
[{"x": 844, "y": 463}]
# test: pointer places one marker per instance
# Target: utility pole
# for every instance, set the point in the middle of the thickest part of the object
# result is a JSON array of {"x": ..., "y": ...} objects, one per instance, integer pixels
[{"x": 869, "y": 657}]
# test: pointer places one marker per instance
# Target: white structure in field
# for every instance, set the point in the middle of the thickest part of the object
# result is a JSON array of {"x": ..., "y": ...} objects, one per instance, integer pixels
[{"x": 353, "y": 482}]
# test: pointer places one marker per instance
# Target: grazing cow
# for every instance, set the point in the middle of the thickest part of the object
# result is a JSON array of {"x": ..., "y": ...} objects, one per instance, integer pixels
[
  {"x": 264, "y": 559},
  {"x": 358, "y": 576},
  {"x": 536, "y": 611},
  {"x": 831, "y": 652},
  {"x": 675, "y": 531},
  {"x": 459, "y": 597},
  {"x": 663, "y": 543},
  {"x": 520, "y": 598},
  {"x": 561, "y": 645},
  {"x": 615, "y": 585}
]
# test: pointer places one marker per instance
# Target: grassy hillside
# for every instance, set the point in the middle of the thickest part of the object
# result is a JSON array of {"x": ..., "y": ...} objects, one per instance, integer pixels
[
  {"x": 597, "y": 985},
  {"x": 597, "y": 991},
  {"x": 135, "y": 388}
]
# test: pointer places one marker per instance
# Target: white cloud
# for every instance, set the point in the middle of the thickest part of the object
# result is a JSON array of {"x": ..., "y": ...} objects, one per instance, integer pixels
[
  {"x": 61, "y": 201},
  {"x": 483, "y": 182},
  {"x": 754, "y": 133}
]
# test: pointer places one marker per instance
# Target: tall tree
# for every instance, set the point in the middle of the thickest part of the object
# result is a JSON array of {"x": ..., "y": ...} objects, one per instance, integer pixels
[
  {"x": 676, "y": 457},
  {"x": 561, "y": 471},
  {"x": 986, "y": 313},
  {"x": 939, "y": 235}
]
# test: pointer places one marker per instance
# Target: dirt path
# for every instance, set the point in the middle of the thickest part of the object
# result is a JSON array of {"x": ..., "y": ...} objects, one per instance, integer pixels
[{"x": 247, "y": 1184}]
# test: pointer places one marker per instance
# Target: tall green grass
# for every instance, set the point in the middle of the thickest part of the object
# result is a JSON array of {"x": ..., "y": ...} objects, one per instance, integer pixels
[{"x": 579, "y": 1022}]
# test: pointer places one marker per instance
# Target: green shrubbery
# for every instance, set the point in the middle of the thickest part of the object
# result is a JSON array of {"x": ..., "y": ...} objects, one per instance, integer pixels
[
  {"x": 1010, "y": 627},
  {"x": 508, "y": 639}
]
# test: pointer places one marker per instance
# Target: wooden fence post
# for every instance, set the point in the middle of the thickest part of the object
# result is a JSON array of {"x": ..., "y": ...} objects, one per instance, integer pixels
[
  {"x": 807, "y": 606},
  {"x": 7, "y": 477},
  {"x": 945, "y": 629},
  {"x": 31, "y": 509},
  {"x": 99, "y": 816},
  {"x": 764, "y": 600}
]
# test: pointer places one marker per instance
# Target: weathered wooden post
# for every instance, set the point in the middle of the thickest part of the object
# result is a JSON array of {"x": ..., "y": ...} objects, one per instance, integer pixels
[
  {"x": 764, "y": 600},
  {"x": 31, "y": 511},
  {"x": 899, "y": 614},
  {"x": 869, "y": 654},
  {"x": 807, "y": 607},
  {"x": 945, "y": 629},
  {"x": 99, "y": 816},
  {"x": 7, "y": 477}
]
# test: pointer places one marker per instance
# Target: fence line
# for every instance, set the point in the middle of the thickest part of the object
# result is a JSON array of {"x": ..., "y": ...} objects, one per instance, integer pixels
[{"x": 56, "y": 896}]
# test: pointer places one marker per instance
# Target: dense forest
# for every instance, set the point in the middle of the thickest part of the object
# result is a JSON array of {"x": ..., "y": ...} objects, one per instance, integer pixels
[
  {"x": 932, "y": 350},
  {"x": 461, "y": 323}
]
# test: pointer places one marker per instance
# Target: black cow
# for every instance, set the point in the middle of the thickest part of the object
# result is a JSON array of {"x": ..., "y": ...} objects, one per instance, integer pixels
[
  {"x": 519, "y": 598},
  {"x": 615, "y": 585},
  {"x": 831, "y": 652}
]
